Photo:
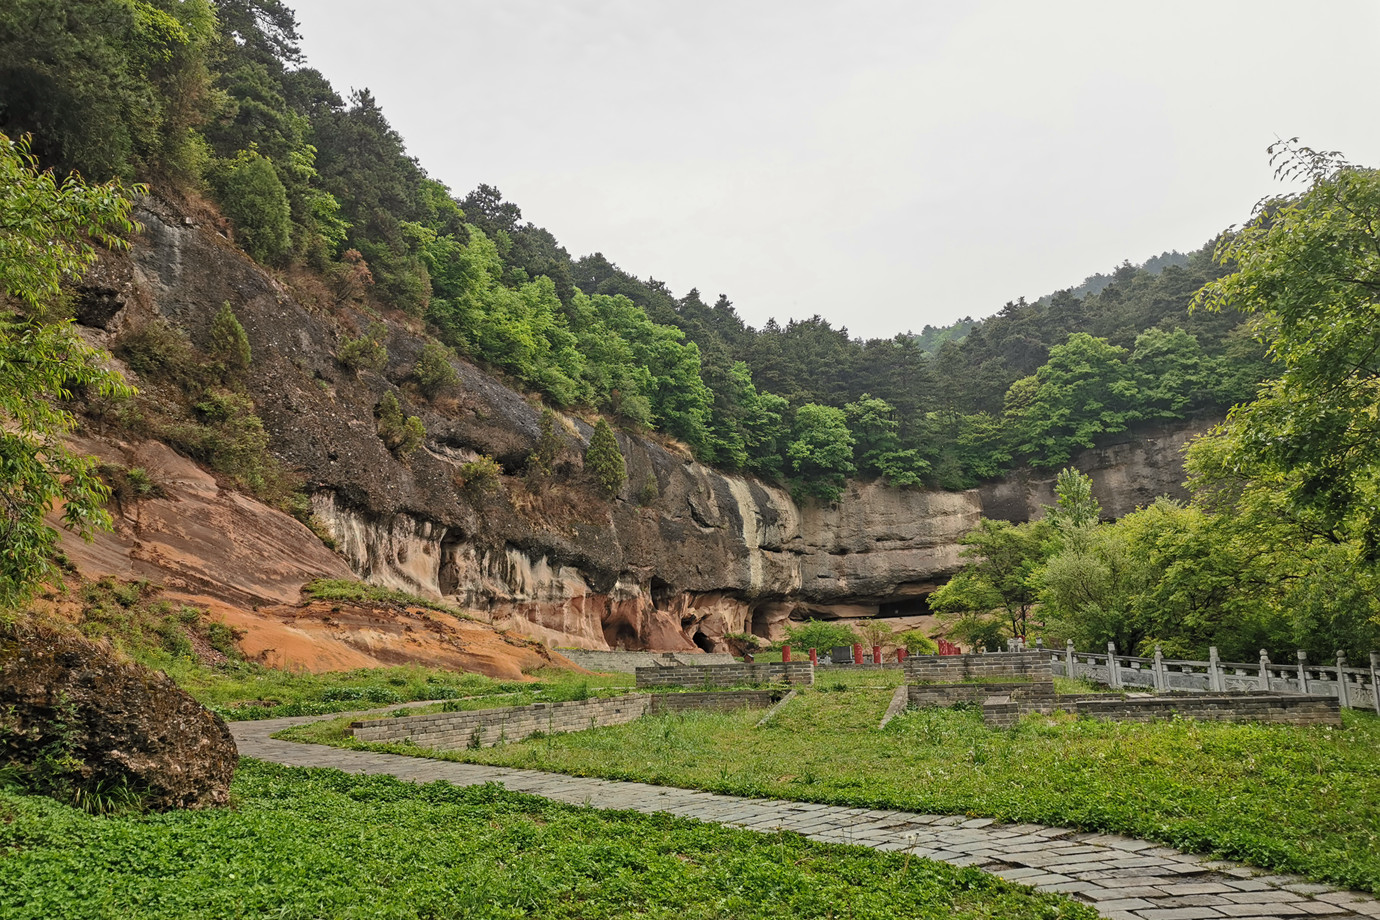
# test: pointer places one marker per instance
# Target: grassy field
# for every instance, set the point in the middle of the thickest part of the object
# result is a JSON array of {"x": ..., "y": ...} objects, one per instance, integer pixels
[
  {"x": 323, "y": 844},
  {"x": 233, "y": 689},
  {"x": 1305, "y": 800}
]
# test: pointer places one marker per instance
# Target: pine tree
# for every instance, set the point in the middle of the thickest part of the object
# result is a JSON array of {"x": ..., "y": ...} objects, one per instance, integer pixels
[{"x": 604, "y": 460}]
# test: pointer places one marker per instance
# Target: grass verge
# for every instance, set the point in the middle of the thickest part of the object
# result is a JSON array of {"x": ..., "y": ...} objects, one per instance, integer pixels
[
  {"x": 1303, "y": 800},
  {"x": 321, "y": 843}
]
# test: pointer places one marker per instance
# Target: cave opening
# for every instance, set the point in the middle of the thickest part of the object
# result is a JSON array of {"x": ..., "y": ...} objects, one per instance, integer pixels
[
  {"x": 905, "y": 607},
  {"x": 761, "y": 622},
  {"x": 704, "y": 642},
  {"x": 662, "y": 593}
]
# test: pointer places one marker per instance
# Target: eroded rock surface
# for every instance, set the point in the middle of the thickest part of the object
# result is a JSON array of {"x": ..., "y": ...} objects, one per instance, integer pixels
[
  {"x": 681, "y": 558},
  {"x": 64, "y": 697}
]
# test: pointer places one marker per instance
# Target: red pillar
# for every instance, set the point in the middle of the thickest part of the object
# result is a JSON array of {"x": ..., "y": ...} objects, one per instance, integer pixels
[
  {"x": 900, "y": 655},
  {"x": 785, "y": 653},
  {"x": 876, "y": 654},
  {"x": 857, "y": 653},
  {"x": 814, "y": 657}
]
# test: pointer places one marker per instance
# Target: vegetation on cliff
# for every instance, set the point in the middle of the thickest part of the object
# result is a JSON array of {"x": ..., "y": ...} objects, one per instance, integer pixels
[
  {"x": 1280, "y": 547},
  {"x": 213, "y": 97}
]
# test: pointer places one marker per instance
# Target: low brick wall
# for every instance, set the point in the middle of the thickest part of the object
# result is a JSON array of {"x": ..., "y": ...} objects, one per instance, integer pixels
[
  {"x": 717, "y": 701},
  {"x": 1005, "y": 709},
  {"x": 485, "y": 727},
  {"x": 449, "y": 731},
  {"x": 798, "y": 673},
  {"x": 1278, "y": 708},
  {"x": 620, "y": 662},
  {"x": 947, "y": 669},
  {"x": 921, "y": 695}
]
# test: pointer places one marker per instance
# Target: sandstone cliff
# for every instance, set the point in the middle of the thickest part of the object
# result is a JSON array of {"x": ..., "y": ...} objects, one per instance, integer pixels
[{"x": 682, "y": 557}]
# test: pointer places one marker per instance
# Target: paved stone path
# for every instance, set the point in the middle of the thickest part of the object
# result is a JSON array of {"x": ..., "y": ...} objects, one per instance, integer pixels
[{"x": 1123, "y": 878}]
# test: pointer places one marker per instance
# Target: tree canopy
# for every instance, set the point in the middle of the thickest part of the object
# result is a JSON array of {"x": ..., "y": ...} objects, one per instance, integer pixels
[{"x": 49, "y": 229}]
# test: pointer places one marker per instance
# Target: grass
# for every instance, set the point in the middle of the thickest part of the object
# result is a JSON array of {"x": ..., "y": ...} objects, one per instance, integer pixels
[
  {"x": 358, "y": 592},
  {"x": 321, "y": 843},
  {"x": 1285, "y": 798},
  {"x": 233, "y": 691}
]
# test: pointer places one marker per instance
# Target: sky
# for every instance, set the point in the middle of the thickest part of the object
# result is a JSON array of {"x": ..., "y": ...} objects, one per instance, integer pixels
[{"x": 885, "y": 164}]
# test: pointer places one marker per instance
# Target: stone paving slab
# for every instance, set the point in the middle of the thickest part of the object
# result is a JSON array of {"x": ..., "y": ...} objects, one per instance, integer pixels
[{"x": 1121, "y": 877}]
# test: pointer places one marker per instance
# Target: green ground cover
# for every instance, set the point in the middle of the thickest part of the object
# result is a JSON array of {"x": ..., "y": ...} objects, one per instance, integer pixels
[
  {"x": 324, "y": 844},
  {"x": 1305, "y": 800},
  {"x": 231, "y": 689}
]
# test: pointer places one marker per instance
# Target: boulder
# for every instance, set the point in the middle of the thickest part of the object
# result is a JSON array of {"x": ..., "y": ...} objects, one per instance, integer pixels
[{"x": 67, "y": 701}]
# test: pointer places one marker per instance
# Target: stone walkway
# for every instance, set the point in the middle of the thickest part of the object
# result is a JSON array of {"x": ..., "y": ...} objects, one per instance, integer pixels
[{"x": 1123, "y": 878}]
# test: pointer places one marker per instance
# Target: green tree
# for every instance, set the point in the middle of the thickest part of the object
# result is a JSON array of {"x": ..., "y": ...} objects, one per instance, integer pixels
[
  {"x": 433, "y": 370},
  {"x": 1084, "y": 390},
  {"x": 1307, "y": 267},
  {"x": 604, "y": 460},
  {"x": 48, "y": 233},
  {"x": 1074, "y": 507},
  {"x": 229, "y": 342},
  {"x": 252, "y": 195},
  {"x": 820, "y": 452},
  {"x": 820, "y": 634},
  {"x": 877, "y": 445},
  {"x": 1003, "y": 574}
]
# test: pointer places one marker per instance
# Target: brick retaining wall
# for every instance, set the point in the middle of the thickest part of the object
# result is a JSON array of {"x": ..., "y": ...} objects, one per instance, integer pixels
[
  {"x": 800, "y": 673},
  {"x": 921, "y": 695},
  {"x": 621, "y": 662},
  {"x": 485, "y": 727},
  {"x": 448, "y": 731},
  {"x": 716, "y": 701},
  {"x": 947, "y": 669},
  {"x": 1277, "y": 708}
]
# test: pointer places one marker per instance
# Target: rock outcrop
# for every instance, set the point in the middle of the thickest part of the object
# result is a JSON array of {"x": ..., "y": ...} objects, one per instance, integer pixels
[
  {"x": 68, "y": 705},
  {"x": 681, "y": 558}
]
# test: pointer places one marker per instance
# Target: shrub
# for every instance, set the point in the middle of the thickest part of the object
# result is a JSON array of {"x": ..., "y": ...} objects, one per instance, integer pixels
[
  {"x": 229, "y": 343},
  {"x": 604, "y": 460},
  {"x": 401, "y": 435},
  {"x": 366, "y": 352},
  {"x": 820, "y": 634},
  {"x": 433, "y": 370},
  {"x": 478, "y": 476},
  {"x": 917, "y": 643}
]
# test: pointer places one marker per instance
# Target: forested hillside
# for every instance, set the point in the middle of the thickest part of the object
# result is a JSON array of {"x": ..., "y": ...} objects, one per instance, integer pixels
[{"x": 212, "y": 100}]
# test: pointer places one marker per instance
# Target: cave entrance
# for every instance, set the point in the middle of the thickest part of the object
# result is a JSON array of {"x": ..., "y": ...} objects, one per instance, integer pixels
[
  {"x": 905, "y": 607},
  {"x": 622, "y": 637},
  {"x": 704, "y": 642}
]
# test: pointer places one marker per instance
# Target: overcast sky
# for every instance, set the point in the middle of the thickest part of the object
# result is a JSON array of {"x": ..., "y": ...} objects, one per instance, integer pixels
[{"x": 884, "y": 164}]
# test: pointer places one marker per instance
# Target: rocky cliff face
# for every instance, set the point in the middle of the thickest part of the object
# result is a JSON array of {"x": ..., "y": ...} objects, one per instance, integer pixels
[{"x": 684, "y": 556}]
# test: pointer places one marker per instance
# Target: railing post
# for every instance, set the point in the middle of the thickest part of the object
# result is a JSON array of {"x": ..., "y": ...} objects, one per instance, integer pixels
[
  {"x": 1343, "y": 694},
  {"x": 857, "y": 653},
  {"x": 1161, "y": 679},
  {"x": 1303, "y": 671},
  {"x": 1264, "y": 671},
  {"x": 1113, "y": 667},
  {"x": 1375, "y": 680},
  {"x": 1070, "y": 662},
  {"x": 876, "y": 654},
  {"x": 1216, "y": 682},
  {"x": 785, "y": 654},
  {"x": 814, "y": 656}
]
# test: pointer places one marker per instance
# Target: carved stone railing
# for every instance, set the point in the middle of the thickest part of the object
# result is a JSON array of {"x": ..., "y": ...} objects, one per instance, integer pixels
[{"x": 1353, "y": 688}]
